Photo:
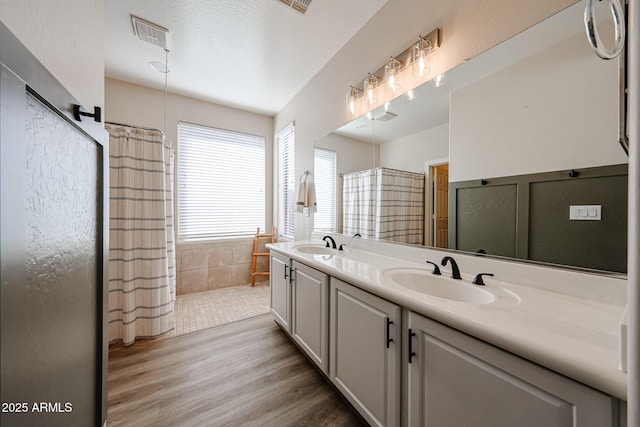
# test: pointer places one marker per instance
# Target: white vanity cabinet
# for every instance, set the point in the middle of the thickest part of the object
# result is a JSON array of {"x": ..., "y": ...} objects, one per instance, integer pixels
[
  {"x": 280, "y": 278},
  {"x": 365, "y": 352},
  {"x": 309, "y": 313},
  {"x": 456, "y": 380}
]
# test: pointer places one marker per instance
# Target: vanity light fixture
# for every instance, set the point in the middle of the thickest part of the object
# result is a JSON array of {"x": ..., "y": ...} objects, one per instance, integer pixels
[
  {"x": 352, "y": 99},
  {"x": 420, "y": 57},
  {"x": 397, "y": 69},
  {"x": 392, "y": 74},
  {"x": 370, "y": 84}
]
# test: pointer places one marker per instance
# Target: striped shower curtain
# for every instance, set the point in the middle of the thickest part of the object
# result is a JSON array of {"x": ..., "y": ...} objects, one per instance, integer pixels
[
  {"x": 142, "y": 276},
  {"x": 384, "y": 203}
]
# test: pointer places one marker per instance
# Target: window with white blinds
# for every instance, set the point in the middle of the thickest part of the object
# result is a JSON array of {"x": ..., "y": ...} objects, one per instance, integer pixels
[
  {"x": 324, "y": 167},
  {"x": 285, "y": 145},
  {"x": 221, "y": 182}
]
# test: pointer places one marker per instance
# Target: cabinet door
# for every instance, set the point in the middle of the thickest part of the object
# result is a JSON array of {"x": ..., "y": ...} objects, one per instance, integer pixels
[
  {"x": 280, "y": 290},
  {"x": 365, "y": 352},
  {"x": 456, "y": 380},
  {"x": 309, "y": 317}
]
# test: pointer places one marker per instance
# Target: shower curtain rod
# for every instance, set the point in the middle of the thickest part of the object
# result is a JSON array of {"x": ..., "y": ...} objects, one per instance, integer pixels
[
  {"x": 134, "y": 127},
  {"x": 382, "y": 167}
]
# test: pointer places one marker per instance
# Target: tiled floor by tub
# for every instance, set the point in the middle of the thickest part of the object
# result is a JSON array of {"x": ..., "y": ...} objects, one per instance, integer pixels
[{"x": 201, "y": 310}]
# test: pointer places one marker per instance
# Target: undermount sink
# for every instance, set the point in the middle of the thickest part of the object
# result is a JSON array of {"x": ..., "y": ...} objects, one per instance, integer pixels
[
  {"x": 314, "y": 249},
  {"x": 424, "y": 281}
]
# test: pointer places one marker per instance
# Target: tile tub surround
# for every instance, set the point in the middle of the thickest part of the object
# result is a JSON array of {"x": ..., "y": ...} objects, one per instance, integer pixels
[
  {"x": 566, "y": 321},
  {"x": 204, "y": 266}
]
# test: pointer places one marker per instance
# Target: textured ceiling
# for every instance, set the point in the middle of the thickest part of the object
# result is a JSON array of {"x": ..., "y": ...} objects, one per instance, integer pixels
[{"x": 250, "y": 54}]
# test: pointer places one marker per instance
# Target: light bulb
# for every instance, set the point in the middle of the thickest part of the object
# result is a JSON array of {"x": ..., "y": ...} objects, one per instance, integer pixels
[
  {"x": 369, "y": 88},
  {"x": 411, "y": 95},
  {"x": 391, "y": 72},
  {"x": 419, "y": 58},
  {"x": 352, "y": 100}
]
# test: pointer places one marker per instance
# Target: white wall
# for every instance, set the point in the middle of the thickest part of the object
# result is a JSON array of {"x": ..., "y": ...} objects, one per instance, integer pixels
[
  {"x": 556, "y": 110},
  {"x": 67, "y": 37},
  {"x": 468, "y": 27},
  {"x": 132, "y": 104},
  {"x": 351, "y": 155},
  {"x": 410, "y": 152}
]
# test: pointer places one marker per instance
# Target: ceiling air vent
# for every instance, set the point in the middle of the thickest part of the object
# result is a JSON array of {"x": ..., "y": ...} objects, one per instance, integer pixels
[
  {"x": 299, "y": 5},
  {"x": 150, "y": 32}
]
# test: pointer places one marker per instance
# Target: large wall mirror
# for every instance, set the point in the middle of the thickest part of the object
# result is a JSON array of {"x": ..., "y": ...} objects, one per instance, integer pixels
[{"x": 517, "y": 151}]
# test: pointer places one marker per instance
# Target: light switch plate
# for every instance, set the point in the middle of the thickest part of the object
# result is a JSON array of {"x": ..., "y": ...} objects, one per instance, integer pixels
[{"x": 585, "y": 212}]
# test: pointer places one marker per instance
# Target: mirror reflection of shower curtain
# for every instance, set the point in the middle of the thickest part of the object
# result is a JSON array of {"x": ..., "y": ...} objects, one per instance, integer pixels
[
  {"x": 142, "y": 263},
  {"x": 384, "y": 203}
]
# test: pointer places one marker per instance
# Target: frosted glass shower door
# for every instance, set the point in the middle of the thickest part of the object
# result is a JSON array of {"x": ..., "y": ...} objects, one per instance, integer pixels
[{"x": 51, "y": 227}]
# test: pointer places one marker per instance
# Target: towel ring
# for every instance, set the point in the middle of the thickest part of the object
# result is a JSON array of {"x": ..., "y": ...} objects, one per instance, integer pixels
[{"x": 592, "y": 31}]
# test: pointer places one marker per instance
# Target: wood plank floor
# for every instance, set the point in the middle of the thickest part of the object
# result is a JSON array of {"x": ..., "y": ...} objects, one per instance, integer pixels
[{"x": 246, "y": 373}]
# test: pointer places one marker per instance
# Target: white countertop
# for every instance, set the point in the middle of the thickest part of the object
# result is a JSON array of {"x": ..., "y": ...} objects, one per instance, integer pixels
[{"x": 573, "y": 336}]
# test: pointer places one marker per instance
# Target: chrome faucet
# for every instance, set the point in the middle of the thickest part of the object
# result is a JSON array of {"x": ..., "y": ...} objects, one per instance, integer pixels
[
  {"x": 455, "y": 271},
  {"x": 333, "y": 242}
]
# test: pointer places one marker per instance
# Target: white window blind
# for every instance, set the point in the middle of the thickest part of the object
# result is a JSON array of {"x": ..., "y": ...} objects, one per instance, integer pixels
[
  {"x": 325, "y": 180},
  {"x": 285, "y": 143},
  {"x": 221, "y": 182}
]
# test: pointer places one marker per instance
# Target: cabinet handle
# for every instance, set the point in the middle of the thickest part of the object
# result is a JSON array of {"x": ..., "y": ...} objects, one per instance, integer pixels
[
  {"x": 411, "y": 352},
  {"x": 291, "y": 271},
  {"x": 286, "y": 267},
  {"x": 389, "y": 339}
]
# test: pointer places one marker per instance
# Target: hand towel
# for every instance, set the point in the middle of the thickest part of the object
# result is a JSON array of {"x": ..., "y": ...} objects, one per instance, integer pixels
[{"x": 306, "y": 193}]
